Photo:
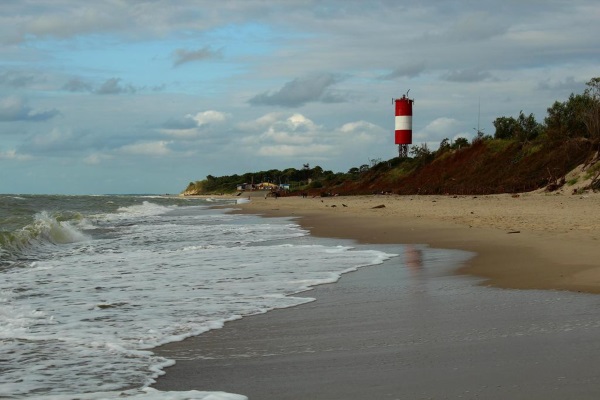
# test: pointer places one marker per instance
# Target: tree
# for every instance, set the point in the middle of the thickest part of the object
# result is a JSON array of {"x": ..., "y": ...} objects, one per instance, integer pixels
[
  {"x": 421, "y": 151},
  {"x": 316, "y": 172},
  {"x": 505, "y": 127},
  {"x": 567, "y": 119},
  {"x": 592, "y": 115},
  {"x": 373, "y": 162},
  {"x": 527, "y": 128},
  {"x": 523, "y": 128},
  {"x": 444, "y": 146},
  {"x": 460, "y": 142}
]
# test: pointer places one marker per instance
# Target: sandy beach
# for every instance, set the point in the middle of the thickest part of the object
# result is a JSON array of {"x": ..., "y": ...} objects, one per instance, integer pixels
[
  {"x": 525, "y": 241},
  {"x": 456, "y": 332}
]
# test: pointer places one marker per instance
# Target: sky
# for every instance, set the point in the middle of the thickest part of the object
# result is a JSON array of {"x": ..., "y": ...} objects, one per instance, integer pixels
[{"x": 117, "y": 96}]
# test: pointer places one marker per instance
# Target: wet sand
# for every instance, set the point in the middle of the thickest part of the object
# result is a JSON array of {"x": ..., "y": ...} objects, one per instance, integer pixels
[{"x": 411, "y": 328}]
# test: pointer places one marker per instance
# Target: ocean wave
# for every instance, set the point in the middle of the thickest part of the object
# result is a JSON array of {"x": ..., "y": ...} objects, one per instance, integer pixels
[
  {"x": 46, "y": 229},
  {"x": 145, "y": 209}
]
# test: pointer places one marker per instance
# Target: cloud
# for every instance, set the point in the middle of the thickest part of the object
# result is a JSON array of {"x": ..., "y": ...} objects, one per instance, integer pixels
[
  {"x": 113, "y": 86},
  {"x": 183, "y": 56},
  {"x": 15, "y": 109},
  {"x": 296, "y": 130},
  {"x": 301, "y": 91},
  {"x": 158, "y": 148},
  {"x": 184, "y": 123},
  {"x": 13, "y": 155},
  {"x": 77, "y": 85},
  {"x": 16, "y": 79},
  {"x": 467, "y": 75},
  {"x": 410, "y": 70},
  {"x": 286, "y": 135},
  {"x": 108, "y": 87},
  {"x": 476, "y": 26},
  {"x": 286, "y": 150},
  {"x": 97, "y": 158},
  {"x": 194, "y": 125},
  {"x": 362, "y": 131},
  {"x": 66, "y": 20},
  {"x": 261, "y": 123},
  {"x": 296, "y": 136},
  {"x": 439, "y": 128},
  {"x": 568, "y": 84},
  {"x": 55, "y": 142},
  {"x": 67, "y": 142},
  {"x": 209, "y": 117}
]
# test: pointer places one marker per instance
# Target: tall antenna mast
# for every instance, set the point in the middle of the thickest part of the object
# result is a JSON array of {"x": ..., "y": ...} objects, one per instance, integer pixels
[
  {"x": 479, "y": 130},
  {"x": 478, "y": 114}
]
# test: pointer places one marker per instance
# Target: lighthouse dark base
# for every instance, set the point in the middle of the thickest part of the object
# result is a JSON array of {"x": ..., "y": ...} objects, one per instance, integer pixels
[{"x": 403, "y": 150}]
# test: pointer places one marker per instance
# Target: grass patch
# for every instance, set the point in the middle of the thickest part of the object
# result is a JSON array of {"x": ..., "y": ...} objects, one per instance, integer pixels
[{"x": 593, "y": 170}]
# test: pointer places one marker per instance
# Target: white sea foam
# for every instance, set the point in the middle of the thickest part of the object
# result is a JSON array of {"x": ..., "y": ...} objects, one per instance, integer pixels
[
  {"x": 148, "y": 394},
  {"x": 145, "y": 209},
  {"x": 85, "y": 318}
]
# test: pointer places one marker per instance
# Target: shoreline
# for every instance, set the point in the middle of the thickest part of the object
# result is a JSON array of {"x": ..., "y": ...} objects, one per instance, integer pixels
[
  {"x": 396, "y": 331},
  {"x": 526, "y": 241}
]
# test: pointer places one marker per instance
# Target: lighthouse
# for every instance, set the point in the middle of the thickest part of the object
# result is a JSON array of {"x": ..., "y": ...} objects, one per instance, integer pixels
[{"x": 403, "y": 124}]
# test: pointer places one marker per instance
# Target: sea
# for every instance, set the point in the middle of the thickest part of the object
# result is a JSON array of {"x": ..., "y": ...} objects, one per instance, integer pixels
[{"x": 90, "y": 285}]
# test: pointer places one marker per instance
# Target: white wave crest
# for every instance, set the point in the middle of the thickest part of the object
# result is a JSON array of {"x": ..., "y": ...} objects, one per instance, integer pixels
[{"x": 145, "y": 209}]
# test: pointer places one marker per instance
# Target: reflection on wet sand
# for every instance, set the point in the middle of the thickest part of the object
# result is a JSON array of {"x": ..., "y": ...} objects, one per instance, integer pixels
[{"x": 413, "y": 258}]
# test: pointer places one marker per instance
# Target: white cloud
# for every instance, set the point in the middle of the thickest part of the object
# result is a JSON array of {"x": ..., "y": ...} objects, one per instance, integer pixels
[
  {"x": 278, "y": 136},
  {"x": 195, "y": 125},
  {"x": 439, "y": 128},
  {"x": 283, "y": 150},
  {"x": 13, "y": 155},
  {"x": 159, "y": 148},
  {"x": 261, "y": 123},
  {"x": 209, "y": 117},
  {"x": 97, "y": 158},
  {"x": 14, "y": 108},
  {"x": 181, "y": 133},
  {"x": 361, "y": 127},
  {"x": 54, "y": 138},
  {"x": 362, "y": 133},
  {"x": 294, "y": 130},
  {"x": 286, "y": 135},
  {"x": 297, "y": 136}
]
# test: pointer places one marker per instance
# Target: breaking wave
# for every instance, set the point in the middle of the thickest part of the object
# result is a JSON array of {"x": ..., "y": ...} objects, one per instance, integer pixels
[{"x": 45, "y": 230}]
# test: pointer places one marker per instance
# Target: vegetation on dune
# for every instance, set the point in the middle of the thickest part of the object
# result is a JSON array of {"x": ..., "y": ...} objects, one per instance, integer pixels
[{"x": 523, "y": 155}]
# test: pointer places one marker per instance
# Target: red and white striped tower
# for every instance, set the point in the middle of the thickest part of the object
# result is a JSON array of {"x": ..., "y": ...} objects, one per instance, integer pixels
[{"x": 403, "y": 124}]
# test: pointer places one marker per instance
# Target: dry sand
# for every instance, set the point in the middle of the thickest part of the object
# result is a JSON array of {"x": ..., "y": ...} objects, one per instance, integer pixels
[{"x": 526, "y": 241}]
